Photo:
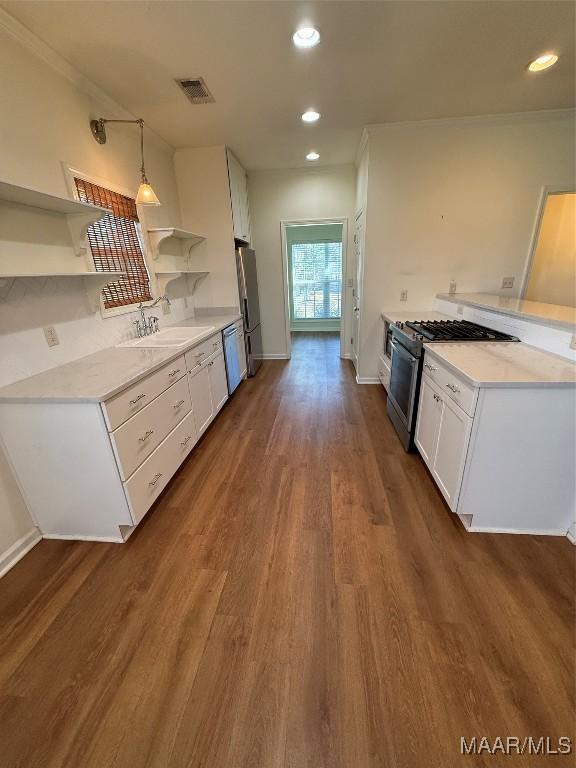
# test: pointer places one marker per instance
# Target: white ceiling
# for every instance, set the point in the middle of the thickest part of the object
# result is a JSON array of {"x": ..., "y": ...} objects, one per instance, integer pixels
[{"x": 376, "y": 62}]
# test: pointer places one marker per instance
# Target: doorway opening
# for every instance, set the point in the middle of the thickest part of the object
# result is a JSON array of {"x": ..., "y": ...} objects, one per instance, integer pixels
[{"x": 314, "y": 273}]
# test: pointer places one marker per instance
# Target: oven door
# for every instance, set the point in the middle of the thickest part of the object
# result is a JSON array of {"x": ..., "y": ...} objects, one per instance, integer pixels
[{"x": 404, "y": 373}]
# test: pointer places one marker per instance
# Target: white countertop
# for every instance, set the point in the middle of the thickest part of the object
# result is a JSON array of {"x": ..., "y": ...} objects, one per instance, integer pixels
[
  {"x": 401, "y": 316},
  {"x": 535, "y": 311},
  {"x": 103, "y": 374},
  {"x": 505, "y": 364}
]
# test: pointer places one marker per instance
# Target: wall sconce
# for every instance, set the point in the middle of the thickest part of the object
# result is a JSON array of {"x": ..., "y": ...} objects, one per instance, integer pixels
[{"x": 145, "y": 195}]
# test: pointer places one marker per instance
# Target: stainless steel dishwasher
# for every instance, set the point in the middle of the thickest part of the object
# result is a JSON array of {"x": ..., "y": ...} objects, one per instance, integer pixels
[{"x": 230, "y": 336}]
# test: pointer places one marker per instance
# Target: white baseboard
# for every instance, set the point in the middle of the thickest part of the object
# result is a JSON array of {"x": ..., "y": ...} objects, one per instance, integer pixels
[
  {"x": 527, "y": 532},
  {"x": 572, "y": 534},
  {"x": 275, "y": 357},
  {"x": 17, "y": 551},
  {"x": 367, "y": 379},
  {"x": 74, "y": 537}
]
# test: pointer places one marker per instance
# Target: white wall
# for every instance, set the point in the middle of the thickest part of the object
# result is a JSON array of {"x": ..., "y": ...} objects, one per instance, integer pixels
[
  {"x": 296, "y": 195},
  {"x": 45, "y": 121},
  {"x": 202, "y": 177},
  {"x": 454, "y": 199}
]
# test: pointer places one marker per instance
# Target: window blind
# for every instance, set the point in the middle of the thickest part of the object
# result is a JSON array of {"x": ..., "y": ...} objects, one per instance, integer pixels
[
  {"x": 115, "y": 245},
  {"x": 316, "y": 272}
]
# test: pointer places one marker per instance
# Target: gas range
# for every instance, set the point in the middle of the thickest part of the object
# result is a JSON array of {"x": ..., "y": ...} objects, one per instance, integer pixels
[
  {"x": 408, "y": 339},
  {"x": 415, "y": 333}
]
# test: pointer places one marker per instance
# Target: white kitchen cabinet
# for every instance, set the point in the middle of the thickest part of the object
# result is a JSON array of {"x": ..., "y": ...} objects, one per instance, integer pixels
[
  {"x": 239, "y": 199},
  {"x": 91, "y": 468},
  {"x": 201, "y": 394},
  {"x": 426, "y": 436},
  {"x": 218, "y": 381},
  {"x": 442, "y": 432},
  {"x": 506, "y": 465},
  {"x": 208, "y": 389},
  {"x": 451, "y": 446}
]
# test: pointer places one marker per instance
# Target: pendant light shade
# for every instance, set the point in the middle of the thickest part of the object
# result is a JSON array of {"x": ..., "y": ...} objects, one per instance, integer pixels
[{"x": 146, "y": 195}]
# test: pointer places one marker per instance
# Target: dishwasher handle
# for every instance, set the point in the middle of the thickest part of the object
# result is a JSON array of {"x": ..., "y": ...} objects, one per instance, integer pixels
[{"x": 230, "y": 331}]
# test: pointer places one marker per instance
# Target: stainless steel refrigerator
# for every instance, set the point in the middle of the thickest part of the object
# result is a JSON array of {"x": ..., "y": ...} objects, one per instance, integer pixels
[{"x": 250, "y": 307}]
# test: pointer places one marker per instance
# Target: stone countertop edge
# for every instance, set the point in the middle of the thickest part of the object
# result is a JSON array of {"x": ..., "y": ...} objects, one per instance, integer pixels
[
  {"x": 166, "y": 355},
  {"x": 435, "y": 350}
]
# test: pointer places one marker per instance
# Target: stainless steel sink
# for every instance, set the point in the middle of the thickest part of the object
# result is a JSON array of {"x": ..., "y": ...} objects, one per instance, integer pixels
[{"x": 170, "y": 337}]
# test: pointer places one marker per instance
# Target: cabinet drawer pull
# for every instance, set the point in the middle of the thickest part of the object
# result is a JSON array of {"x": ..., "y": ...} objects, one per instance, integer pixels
[
  {"x": 452, "y": 388},
  {"x": 146, "y": 435},
  {"x": 185, "y": 442},
  {"x": 215, "y": 345},
  {"x": 174, "y": 372},
  {"x": 179, "y": 403},
  {"x": 436, "y": 398},
  {"x": 430, "y": 367},
  {"x": 136, "y": 399},
  {"x": 155, "y": 479}
]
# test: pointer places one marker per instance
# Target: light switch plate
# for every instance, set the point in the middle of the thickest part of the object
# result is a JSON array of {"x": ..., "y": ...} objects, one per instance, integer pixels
[
  {"x": 404, "y": 295},
  {"x": 51, "y": 336},
  {"x": 507, "y": 282},
  {"x": 452, "y": 288},
  {"x": 350, "y": 282},
  {"x": 166, "y": 308}
]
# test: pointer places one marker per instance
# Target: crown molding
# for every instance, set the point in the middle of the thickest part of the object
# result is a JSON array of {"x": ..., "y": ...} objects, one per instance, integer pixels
[
  {"x": 34, "y": 45},
  {"x": 491, "y": 119}
]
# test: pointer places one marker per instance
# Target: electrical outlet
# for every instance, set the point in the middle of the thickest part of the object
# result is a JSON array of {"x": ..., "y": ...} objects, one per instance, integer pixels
[
  {"x": 185, "y": 302},
  {"x": 459, "y": 309},
  {"x": 507, "y": 282},
  {"x": 452, "y": 288},
  {"x": 404, "y": 295},
  {"x": 166, "y": 308},
  {"x": 350, "y": 282},
  {"x": 573, "y": 342},
  {"x": 51, "y": 336}
]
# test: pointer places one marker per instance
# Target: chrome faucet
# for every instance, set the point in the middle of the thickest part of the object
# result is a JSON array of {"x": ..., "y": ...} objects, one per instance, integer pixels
[{"x": 146, "y": 326}]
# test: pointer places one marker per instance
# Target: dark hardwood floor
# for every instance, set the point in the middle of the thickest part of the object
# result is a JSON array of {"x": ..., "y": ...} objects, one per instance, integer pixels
[{"x": 300, "y": 596}]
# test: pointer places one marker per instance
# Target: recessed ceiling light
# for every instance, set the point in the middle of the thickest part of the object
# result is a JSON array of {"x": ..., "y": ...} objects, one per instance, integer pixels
[
  {"x": 312, "y": 156},
  {"x": 310, "y": 116},
  {"x": 306, "y": 37},
  {"x": 543, "y": 62}
]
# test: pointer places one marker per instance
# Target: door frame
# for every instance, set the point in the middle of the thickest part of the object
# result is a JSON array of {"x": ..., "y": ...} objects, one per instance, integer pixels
[
  {"x": 284, "y": 224},
  {"x": 545, "y": 192}
]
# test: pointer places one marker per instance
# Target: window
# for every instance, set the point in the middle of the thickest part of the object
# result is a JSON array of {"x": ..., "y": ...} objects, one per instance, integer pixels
[
  {"x": 115, "y": 245},
  {"x": 316, "y": 278}
]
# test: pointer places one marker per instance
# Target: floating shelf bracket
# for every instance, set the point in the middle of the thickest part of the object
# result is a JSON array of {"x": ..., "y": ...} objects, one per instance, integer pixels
[
  {"x": 156, "y": 236},
  {"x": 165, "y": 278}
]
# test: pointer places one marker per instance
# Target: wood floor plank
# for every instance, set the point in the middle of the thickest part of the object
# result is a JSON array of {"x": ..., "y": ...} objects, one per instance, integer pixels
[{"x": 299, "y": 597}]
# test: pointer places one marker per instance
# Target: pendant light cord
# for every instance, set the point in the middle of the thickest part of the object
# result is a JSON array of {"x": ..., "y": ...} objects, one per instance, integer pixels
[{"x": 142, "y": 168}]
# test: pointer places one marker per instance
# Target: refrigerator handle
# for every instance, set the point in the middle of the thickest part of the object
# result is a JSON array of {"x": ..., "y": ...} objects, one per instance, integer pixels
[{"x": 247, "y": 321}]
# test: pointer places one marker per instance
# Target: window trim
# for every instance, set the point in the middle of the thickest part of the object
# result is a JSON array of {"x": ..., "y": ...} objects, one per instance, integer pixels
[{"x": 70, "y": 173}]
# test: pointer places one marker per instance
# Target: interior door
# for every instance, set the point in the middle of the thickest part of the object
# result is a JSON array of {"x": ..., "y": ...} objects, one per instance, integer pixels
[
  {"x": 201, "y": 393},
  {"x": 218, "y": 382},
  {"x": 357, "y": 288}
]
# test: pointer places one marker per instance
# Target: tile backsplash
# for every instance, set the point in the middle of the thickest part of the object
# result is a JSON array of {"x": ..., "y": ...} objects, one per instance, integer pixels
[{"x": 28, "y": 305}]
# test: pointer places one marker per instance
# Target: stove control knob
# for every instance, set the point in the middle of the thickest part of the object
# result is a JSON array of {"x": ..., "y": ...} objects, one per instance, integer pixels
[
  {"x": 399, "y": 324},
  {"x": 419, "y": 337}
]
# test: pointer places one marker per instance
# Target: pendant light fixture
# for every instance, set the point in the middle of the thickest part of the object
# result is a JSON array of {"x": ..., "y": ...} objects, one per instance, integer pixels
[{"x": 145, "y": 194}]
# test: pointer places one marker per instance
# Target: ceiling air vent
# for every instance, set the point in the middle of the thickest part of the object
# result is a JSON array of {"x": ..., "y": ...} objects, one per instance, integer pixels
[{"x": 196, "y": 90}]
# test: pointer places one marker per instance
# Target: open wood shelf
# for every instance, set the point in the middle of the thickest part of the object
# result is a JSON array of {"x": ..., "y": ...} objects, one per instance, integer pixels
[{"x": 159, "y": 234}]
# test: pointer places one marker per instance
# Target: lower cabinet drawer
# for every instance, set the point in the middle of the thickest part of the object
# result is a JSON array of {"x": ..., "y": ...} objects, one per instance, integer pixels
[
  {"x": 151, "y": 478},
  {"x": 135, "y": 440},
  {"x": 128, "y": 402},
  {"x": 384, "y": 373},
  {"x": 451, "y": 385},
  {"x": 197, "y": 355}
]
